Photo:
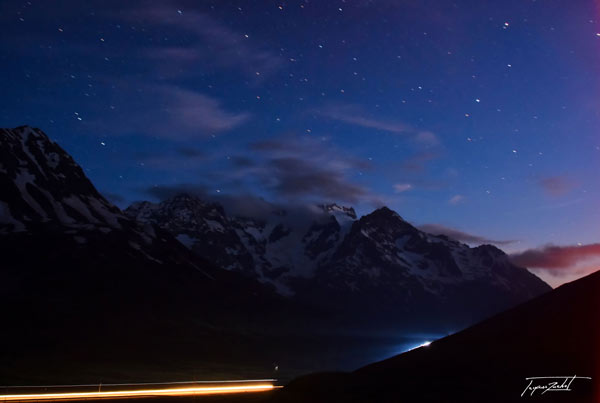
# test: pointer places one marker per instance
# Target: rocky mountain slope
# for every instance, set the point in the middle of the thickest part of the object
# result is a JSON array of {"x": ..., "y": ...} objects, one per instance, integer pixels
[
  {"x": 83, "y": 287},
  {"x": 378, "y": 267},
  {"x": 276, "y": 249}
]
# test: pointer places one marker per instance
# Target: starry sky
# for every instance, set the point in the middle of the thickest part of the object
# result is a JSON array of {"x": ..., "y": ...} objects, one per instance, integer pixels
[{"x": 474, "y": 118}]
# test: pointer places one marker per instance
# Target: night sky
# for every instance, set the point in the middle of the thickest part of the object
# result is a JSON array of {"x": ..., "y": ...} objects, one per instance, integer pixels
[{"x": 470, "y": 116}]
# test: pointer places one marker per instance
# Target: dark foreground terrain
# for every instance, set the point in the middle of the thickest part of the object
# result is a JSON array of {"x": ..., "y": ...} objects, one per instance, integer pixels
[{"x": 556, "y": 334}]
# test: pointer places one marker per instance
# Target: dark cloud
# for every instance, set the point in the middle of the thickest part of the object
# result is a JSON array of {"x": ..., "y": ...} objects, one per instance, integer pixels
[
  {"x": 556, "y": 185},
  {"x": 190, "y": 152},
  {"x": 556, "y": 258},
  {"x": 293, "y": 177},
  {"x": 290, "y": 170},
  {"x": 437, "y": 229},
  {"x": 293, "y": 168},
  {"x": 242, "y": 162}
]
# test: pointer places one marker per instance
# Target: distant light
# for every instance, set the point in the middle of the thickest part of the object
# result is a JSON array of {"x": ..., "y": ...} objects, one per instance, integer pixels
[{"x": 424, "y": 344}]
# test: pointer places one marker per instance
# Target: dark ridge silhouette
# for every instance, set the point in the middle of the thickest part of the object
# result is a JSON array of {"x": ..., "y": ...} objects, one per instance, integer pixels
[{"x": 556, "y": 334}]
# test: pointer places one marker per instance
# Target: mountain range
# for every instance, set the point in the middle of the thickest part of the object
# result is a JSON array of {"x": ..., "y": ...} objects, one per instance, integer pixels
[
  {"x": 377, "y": 268},
  {"x": 185, "y": 276}
]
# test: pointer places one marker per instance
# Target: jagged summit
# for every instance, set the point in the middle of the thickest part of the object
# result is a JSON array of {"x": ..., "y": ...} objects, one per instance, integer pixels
[
  {"x": 333, "y": 207},
  {"x": 385, "y": 212},
  {"x": 40, "y": 182}
]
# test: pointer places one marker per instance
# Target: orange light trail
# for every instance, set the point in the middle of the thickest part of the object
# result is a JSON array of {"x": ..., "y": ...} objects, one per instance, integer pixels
[{"x": 188, "y": 391}]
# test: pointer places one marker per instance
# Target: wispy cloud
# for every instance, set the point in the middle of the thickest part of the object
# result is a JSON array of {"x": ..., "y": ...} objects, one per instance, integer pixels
[
  {"x": 456, "y": 199},
  {"x": 556, "y": 185},
  {"x": 418, "y": 162},
  {"x": 355, "y": 115},
  {"x": 210, "y": 43},
  {"x": 402, "y": 187},
  {"x": 170, "y": 112},
  {"x": 557, "y": 258},
  {"x": 437, "y": 229}
]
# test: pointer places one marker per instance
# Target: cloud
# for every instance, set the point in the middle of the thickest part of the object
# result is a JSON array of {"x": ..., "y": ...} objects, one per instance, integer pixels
[
  {"x": 427, "y": 138},
  {"x": 402, "y": 187},
  {"x": 556, "y": 258},
  {"x": 556, "y": 185},
  {"x": 209, "y": 43},
  {"x": 456, "y": 199},
  {"x": 294, "y": 177},
  {"x": 437, "y": 229},
  {"x": 355, "y": 115},
  {"x": 190, "y": 152},
  {"x": 170, "y": 112},
  {"x": 418, "y": 161},
  {"x": 287, "y": 170},
  {"x": 295, "y": 168},
  {"x": 178, "y": 159},
  {"x": 196, "y": 112}
]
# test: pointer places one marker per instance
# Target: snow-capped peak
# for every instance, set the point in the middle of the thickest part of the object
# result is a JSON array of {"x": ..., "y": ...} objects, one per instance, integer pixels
[
  {"x": 42, "y": 183},
  {"x": 333, "y": 207}
]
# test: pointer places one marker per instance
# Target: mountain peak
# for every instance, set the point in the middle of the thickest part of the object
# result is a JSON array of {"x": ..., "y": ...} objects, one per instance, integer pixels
[
  {"x": 490, "y": 250},
  {"x": 334, "y": 207},
  {"x": 386, "y": 212},
  {"x": 40, "y": 182}
]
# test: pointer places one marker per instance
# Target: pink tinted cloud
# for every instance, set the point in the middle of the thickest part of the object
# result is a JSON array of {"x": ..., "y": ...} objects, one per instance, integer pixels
[
  {"x": 556, "y": 185},
  {"x": 552, "y": 257}
]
